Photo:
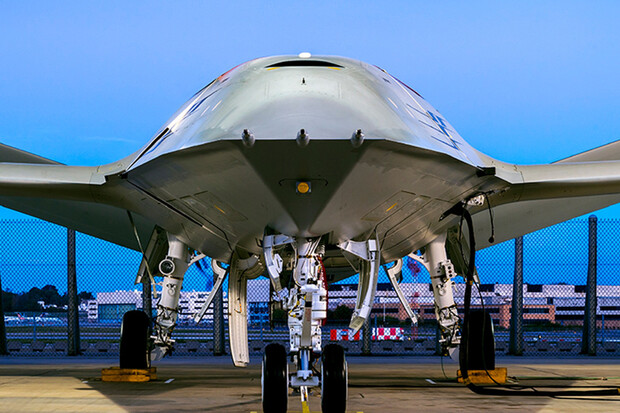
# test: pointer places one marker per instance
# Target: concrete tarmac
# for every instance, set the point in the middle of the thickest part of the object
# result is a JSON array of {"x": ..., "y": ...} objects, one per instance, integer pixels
[{"x": 376, "y": 384}]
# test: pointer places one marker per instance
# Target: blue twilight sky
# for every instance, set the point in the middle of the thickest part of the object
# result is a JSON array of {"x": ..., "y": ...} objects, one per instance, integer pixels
[{"x": 530, "y": 82}]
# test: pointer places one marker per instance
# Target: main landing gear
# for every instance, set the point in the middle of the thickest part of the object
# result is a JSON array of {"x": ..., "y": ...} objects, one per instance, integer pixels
[
  {"x": 478, "y": 351},
  {"x": 137, "y": 347}
]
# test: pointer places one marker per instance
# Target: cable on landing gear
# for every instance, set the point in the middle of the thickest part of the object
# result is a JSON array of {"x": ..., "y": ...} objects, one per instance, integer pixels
[{"x": 461, "y": 211}]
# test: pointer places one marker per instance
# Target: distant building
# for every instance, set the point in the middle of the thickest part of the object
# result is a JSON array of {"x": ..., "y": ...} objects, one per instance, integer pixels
[
  {"x": 555, "y": 303},
  {"x": 110, "y": 306}
]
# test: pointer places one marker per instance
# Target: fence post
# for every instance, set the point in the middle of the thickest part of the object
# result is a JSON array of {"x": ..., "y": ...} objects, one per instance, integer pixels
[
  {"x": 516, "y": 310},
  {"x": 589, "y": 324},
  {"x": 73, "y": 323},
  {"x": 147, "y": 299},
  {"x": 3, "y": 348},
  {"x": 219, "y": 348},
  {"x": 366, "y": 337}
]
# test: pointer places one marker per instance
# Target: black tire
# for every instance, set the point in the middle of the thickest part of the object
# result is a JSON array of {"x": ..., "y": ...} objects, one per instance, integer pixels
[
  {"x": 334, "y": 380},
  {"x": 134, "y": 347},
  {"x": 274, "y": 379},
  {"x": 479, "y": 351}
]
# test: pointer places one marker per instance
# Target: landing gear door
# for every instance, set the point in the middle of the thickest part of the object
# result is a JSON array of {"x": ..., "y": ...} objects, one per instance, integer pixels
[
  {"x": 238, "y": 308},
  {"x": 370, "y": 258}
]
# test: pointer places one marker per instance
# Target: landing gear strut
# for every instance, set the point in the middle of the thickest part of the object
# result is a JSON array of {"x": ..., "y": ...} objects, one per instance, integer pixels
[{"x": 436, "y": 261}]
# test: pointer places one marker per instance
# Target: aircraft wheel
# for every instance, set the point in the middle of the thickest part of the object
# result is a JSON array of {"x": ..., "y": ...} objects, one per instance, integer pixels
[
  {"x": 480, "y": 342},
  {"x": 134, "y": 347},
  {"x": 334, "y": 380},
  {"x": 274, "y": 381}
]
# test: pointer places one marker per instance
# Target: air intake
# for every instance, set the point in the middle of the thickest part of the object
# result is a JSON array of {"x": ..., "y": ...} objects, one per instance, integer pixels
[{"x": 304, "y": 63}]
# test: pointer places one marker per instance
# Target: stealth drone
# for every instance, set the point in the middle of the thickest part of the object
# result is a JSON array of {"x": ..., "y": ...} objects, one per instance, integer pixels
[{"x": 306, "y": 170}]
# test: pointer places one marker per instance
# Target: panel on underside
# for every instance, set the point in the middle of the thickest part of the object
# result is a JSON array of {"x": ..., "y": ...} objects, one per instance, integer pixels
[{"x": 389, "y": 206}]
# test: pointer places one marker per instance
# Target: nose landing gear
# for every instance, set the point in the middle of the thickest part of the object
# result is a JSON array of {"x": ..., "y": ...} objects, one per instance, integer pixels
[{"x": 307, "y": 308}]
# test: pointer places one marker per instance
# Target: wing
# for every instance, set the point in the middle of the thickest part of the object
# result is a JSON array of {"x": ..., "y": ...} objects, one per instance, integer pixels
[
  {"x": 65, "y": 195},
  {"x": 537, "y": 196},
  {"x": 544, "y": 195}
]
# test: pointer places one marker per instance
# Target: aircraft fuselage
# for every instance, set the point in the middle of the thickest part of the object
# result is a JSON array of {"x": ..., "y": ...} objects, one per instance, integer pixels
[{"x": 408, "y": 168}]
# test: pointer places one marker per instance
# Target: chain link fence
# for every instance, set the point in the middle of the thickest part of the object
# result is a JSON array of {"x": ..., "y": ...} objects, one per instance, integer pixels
[{"x": 555, "y": 299}]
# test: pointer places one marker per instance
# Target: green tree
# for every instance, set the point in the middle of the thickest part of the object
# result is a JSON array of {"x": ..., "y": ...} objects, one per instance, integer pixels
[{"x": 85, "y": 295}]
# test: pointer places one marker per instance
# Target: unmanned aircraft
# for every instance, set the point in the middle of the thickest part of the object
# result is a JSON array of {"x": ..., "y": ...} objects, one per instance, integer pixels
[{"x": 307, "y": 170}]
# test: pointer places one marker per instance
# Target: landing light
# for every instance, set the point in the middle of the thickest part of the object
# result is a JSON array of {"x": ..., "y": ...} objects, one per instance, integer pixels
[
  {"x": 167, "y": 266},
  {"x": 303, "y": 187}
]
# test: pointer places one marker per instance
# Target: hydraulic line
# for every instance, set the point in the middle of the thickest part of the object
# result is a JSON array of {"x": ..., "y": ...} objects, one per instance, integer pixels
[{"x": 460, "y": 210}]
